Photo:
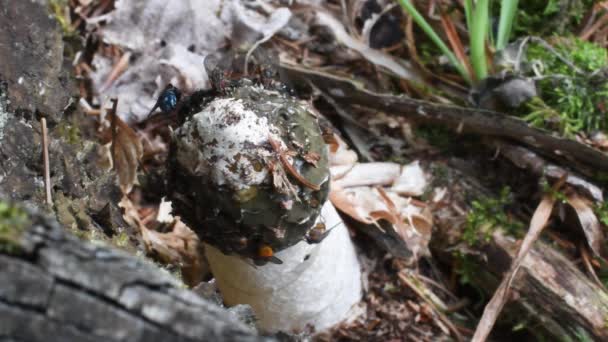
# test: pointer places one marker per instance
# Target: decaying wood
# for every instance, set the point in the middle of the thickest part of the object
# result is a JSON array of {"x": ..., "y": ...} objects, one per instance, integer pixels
[
  {"x": 589, "y": 161},
  {"x": 549, "y": 291},
  {"x": 58, "y": 288},
  {"x": 549, "y": 288},
  {"x": 532, "y": 162}
]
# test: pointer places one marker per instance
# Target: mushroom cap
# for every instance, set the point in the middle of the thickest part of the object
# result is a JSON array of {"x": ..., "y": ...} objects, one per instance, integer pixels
[{"x": 250, "y": 171}]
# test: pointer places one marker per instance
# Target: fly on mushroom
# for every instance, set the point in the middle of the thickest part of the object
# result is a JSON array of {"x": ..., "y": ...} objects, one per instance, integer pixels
[{"x": 226, "y": 71}]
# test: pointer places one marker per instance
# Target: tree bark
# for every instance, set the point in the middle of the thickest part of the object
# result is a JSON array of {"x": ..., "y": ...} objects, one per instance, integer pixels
[{"x": 56, "y": 287}]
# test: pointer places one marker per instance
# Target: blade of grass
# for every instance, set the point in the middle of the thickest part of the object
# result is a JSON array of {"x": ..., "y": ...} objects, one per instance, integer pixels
[
  {"x": 478, "y": 33},
  {"x": 508, "y": 9},
  {"x": 419, "y": 19},
  {"x": 468, "y": 8},
  {"x": 455, "y": 42}
]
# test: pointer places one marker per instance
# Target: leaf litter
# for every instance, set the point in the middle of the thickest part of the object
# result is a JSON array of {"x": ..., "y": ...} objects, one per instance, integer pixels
[{"x": 154, "y": 43}]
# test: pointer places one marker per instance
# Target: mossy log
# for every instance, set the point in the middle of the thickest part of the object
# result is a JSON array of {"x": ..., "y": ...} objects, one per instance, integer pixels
[
  {"x": 550, "y": 294},
  {"x": 56, "y": 287},
  {"x": 548, "y": 289}
]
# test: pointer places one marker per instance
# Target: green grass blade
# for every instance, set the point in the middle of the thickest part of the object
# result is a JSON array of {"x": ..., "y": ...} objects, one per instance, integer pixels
[
  {"x": 468, "y": 9},
  {"x": 478, "y": 33},
  {"x": 508, "y": 9},
  {"x": 419, "y": 19}
]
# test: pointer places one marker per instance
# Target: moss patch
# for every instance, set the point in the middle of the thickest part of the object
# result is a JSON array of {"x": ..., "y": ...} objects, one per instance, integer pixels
[
  {"x": 488, "y": 214},
  {"x": 547, "y": 16},
  {"x": 13, "y": 221},
  {"x": 571, "y": 102}
]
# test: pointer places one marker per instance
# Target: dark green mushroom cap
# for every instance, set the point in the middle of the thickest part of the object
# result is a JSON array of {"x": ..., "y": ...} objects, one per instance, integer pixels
[{"x": 227, "y": 179}]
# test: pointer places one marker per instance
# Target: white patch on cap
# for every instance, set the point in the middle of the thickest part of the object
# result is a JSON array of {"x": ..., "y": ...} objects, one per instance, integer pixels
[{"x": 233, "y": 139}]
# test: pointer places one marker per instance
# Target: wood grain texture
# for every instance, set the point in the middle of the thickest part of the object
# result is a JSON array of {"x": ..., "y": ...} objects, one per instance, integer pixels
[{"x": 56, "y": 287}]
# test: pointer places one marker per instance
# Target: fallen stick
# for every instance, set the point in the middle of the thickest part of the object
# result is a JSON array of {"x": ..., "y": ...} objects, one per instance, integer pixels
[
  {"x": 45, "y": 159},
  {"x": 461, "y": 119}
]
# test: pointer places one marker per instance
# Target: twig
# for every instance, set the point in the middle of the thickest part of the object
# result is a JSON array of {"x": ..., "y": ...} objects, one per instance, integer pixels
[
  {"x": 589, "y": 161},
  {"x": 45, "y": 158},
  {"x": 589, "y": 267},
  {"x": 494, "y": 307},
  {"x": 113, "y": 130},
  {"x": 292, "y": 171},
  {"x": 405, "y": 278}
]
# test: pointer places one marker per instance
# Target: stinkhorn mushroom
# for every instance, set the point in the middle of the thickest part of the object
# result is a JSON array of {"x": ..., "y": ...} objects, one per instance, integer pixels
[{"x": 249, "y": 173}]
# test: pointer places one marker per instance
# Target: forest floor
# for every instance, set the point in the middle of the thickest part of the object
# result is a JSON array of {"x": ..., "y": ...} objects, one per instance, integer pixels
[{"x": 478, "y": 129}]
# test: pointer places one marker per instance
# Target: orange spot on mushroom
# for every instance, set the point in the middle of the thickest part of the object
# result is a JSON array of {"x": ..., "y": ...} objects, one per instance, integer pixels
[{"x": 265, "y": 251}]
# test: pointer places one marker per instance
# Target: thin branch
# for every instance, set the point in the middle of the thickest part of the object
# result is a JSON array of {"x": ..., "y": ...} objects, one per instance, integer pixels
[{"x": 45, "y": 158}]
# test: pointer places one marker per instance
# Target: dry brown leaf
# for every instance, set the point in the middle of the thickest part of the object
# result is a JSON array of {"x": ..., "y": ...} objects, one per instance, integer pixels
[
  {"x": 180, "y": 246},
  {"x": 494, "y": 307},
  {"x": 589, "y": 222},
  {"x": 126, "y": 150}
]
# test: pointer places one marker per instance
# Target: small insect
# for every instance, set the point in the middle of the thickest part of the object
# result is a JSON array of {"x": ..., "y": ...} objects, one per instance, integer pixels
[
  {"x": 168, "y": 99},
  {"x": 318, "y": 232},
  {"x": 265, "y": 255}
]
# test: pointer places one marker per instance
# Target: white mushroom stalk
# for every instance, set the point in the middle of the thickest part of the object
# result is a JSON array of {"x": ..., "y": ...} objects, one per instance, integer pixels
[
  {"x": 317, "y": 284},
  {"x": 250, "y": 175}
]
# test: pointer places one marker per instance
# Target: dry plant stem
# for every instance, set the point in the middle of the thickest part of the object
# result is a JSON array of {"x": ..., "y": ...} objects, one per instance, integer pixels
[
  {"x": 113, "y": 130},
  {"x": 315, "y": 286},
  {"x": 494, "y": 307},
  {"x": 551, "y": 288},
  {"x": 413, "y": 283},
  {"x": 45, "y": 158},
  {"x": 587, "y": 262},
  {"x": 585, "y": 159}
]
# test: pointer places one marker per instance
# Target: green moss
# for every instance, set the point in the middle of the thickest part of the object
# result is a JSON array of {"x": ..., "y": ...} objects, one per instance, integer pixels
[
  {"x": 601, "y": 210},
  {"x": 571, "y": 102},
  {"x": 58, "y": 8},
  {"x": 434, "y": 135},
  {"x": 548, "y": 16},
  {"x": 488, "y": 214},
  {"x": 13, "y": 221},
  {"x": 70, "y": 133}
]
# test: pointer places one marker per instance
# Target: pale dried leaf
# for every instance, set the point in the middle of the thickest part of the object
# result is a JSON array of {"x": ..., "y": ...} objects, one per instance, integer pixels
[
  {"x": 137, "y": 24},
  {"x": 164, "y": 212},
  {"x": 342, "y": 156},
  {"x": 401, "y": 68},
  {"x": 494, "y": 307},
  {"x": 169, "y": 41},
  {"x": 412, "y": 181},
  {"x": 589, "y": 222},
  {"x": 369, "y": 174},
  {"x": 368, "y": 205}
]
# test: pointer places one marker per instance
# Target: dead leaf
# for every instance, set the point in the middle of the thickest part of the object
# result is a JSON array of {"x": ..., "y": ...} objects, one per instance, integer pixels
[
  {"x": 180, "y": 246},
  {"x": 494, "y": 307},
  {"x": 412, "y": 181},
  {"x": 369, "y": 174},
  {"x": 126, "y": 150},
  {"x": 589, "y": 222},
  {"x": 399, "y": 67}
]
